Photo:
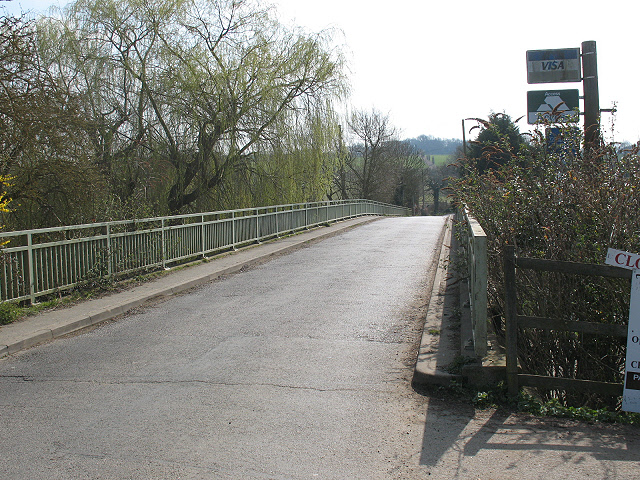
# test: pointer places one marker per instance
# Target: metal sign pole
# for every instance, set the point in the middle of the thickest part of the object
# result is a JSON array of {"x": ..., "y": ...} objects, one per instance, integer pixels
[{"x": 591, "y": 95}]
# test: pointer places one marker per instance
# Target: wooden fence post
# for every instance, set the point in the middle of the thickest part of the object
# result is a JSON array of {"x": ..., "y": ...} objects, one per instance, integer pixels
[{"x": 511, "y": 325}]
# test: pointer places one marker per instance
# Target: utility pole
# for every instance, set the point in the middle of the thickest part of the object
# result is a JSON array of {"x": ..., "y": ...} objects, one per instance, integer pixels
[
  {"x": 591, "y": 95},
  {"x": 464, "y": 140}
]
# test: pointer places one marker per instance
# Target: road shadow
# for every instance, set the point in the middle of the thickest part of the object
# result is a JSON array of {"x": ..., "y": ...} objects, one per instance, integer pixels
[
  {"x": 503, "y": 431},
  {"x": 453, "y": 429},
  {"x": 445, "y": 422}
]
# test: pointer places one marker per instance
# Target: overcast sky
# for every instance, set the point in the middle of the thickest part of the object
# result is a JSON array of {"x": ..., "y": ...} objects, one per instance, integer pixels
[{"x": 430, "y": 64}]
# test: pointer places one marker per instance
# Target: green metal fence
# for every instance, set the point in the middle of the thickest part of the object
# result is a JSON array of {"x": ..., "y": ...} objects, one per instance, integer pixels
[{"x": 49, "y": 260}]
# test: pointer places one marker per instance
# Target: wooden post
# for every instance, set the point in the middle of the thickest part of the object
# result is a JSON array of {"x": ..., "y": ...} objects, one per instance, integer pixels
[{"x": 511, "y": 325}]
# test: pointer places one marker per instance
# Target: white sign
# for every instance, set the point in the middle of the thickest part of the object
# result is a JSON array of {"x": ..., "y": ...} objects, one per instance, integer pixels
[
  {"x": 552, "y": 66},
  {"x": 620, "y": 258},
  {"x": 631, "y": 393}
]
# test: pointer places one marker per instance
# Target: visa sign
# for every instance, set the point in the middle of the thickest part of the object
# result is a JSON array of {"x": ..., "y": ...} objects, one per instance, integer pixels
[{"x": 551, "y": 66}]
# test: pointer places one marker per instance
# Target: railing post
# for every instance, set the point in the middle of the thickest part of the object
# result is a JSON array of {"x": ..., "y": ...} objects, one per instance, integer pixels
[
  {"x": 31, "y": 261},
  {"x": 202, "y": 239},
  {"x": 479, "y": 292},
  {"x": 257, "y": 225},
  {"x": 109, "y": 256},
  {"x": 475, "y": 246},
  {"x": 233, "y": 230},
  {"x": 164, "y": 245},
  {"x": 511, "y": 321}
]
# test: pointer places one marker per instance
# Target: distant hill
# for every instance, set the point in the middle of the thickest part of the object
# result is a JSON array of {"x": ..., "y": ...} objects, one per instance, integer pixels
[{"x": 435, "y": 146}]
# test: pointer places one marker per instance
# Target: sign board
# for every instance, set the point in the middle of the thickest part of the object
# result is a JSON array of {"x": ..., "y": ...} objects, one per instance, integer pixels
[
  {"x": 631, "y": 393},
  {"x": 552, "y": 66},
  {"x": 620, "y": 258},
  {"x": 563, "y": 142},
  {"x": 553, "y": 106}
]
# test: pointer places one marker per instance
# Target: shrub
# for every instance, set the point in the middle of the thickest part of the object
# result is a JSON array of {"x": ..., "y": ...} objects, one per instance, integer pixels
[
  {"x": 8, "y": 313},
  {"x": 566, "y": 206}
]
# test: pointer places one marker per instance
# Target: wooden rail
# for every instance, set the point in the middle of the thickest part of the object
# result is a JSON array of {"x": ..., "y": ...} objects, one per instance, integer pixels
[{"x": 514, "y": 321}]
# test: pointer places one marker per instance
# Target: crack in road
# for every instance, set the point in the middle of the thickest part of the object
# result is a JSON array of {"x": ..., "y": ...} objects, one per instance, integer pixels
[{"x": 26, "y": 378}]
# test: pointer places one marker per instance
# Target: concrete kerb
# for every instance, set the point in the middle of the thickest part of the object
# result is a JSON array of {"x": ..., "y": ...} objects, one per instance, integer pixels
[
  {"x": 50, "y": 325},
  {"x": 447, "y": 332},
  {"x": 440, "y": 343}
]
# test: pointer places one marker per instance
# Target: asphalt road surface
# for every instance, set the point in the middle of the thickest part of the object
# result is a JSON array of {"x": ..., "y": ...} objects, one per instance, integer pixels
[{"x": 299, "y": 368}]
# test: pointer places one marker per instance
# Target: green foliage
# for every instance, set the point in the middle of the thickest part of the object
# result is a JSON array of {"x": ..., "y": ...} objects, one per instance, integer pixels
[
  {"x": 8, "y": 312},
  {"x": 455, "y": 367},
  {"x": 377, "y": 165},
  {"x": 440, "y": 160},
  {"x": 437, "y": 178},
  {"x": 564, "y": 206},
  {"x": 497, "y": 398},
  {"x": 498, "y": 141},
  {"x": 40, "y": 149},
  {"x": 4, "y": 201},
  {"x": 299, "y": 166},
  {"x": 115, "y": 109}
]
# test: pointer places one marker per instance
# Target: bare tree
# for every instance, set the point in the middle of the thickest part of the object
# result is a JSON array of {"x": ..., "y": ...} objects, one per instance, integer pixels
[
  {"x": 437, "y": 179},
  {"x": 371, "y": 156}
]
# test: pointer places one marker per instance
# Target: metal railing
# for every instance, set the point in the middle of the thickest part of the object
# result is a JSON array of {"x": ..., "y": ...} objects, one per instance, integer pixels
[
  {"x": 475, "y": 247},
  {"x": 49, "y": 260}
]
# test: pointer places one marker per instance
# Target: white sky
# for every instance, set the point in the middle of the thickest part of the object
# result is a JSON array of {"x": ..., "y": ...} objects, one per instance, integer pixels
[{"x": 429, "y": 64}]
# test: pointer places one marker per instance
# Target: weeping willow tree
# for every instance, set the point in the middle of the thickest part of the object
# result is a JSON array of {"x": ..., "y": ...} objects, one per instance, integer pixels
[
  {"x": 4, "y": 201},
  {"x": 42, "y": 149},
  {"x": 198, "y": 104},
  {"x": 299, "y": 164}
]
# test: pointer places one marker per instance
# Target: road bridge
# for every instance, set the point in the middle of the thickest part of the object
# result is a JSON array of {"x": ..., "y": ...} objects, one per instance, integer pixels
[{"x": 297, "y": 365}]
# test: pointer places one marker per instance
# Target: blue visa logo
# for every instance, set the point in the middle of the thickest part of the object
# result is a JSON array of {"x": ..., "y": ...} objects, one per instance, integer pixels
[{"x": 553, "y": 65}]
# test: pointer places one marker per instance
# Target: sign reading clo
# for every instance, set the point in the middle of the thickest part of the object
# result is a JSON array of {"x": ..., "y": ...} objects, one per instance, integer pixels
[
  {"x": 620, "y": 258},
  {"x": 631, "y": 391}
]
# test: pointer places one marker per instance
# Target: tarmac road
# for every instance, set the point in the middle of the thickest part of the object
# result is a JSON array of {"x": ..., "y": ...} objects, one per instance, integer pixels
[{"x": 297, "y": 368}]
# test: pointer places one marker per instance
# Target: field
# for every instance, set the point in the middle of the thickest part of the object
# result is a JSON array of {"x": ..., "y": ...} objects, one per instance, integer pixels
[{"x": 439, "y": 159}]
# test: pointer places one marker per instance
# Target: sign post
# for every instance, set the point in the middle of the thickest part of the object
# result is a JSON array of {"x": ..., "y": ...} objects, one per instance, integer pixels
[
  {"x": 571, "y": 65},
  {"x": 631, "y": 392},
  {"x": 591, "y": 94}
]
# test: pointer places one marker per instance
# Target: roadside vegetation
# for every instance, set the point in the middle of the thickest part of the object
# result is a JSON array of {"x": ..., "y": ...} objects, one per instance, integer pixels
[
  {"x": 556, "y": 203},
  {"x": 529, "y": 402}
]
